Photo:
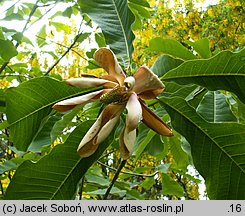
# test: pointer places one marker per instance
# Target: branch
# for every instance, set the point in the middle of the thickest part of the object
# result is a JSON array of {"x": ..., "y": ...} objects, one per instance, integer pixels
[
  {"x": 121, "y": 165},
  {"x": 64, "y": 54},
  {"x": 39, "y": 18}
]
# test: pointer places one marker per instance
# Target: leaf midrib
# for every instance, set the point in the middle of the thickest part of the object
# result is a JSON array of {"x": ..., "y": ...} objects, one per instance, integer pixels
[
  {"x": 123, "y": 31},
  {"x": 203, "y": 131}
]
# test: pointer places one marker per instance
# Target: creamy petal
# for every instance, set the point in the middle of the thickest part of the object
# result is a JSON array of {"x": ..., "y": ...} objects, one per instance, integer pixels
[
  {"x": 127, "y": 141},
  {"x": 86, "y": 82},
  {"x": 108, "y": 61},
  {"x": 99, "y": 130},
  {"x": 107, "y": 128},
  {"x": 73, "y": 102},
  {"x": 154, "y": 122},
  {"x": 147, "y": 84},
  {"x": 134, "y": 115}
]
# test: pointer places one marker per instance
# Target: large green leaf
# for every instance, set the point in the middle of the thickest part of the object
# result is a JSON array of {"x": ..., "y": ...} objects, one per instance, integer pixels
[
  {"x": 224, "y": 71},
  {"x": 28, "y": 104},
  {"x": 215, "y": 108},
  {"x": 55, "y": 176},
  {"x": 171, "y": 47},
  {"x": 218, "y": 149},
  {"x": 115, "y": 20}
]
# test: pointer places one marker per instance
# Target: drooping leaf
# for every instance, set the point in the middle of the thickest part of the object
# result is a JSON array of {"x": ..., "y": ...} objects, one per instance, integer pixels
[
  {"x": 148, "y": 183},
  {"x": 218, "y": 149},
  {"x": 61, "y": 124},
  {"x": 215, "y": 108},
  {"x": 115, "y": 20},
  {"x": 224, "y": 71},
  {"x": 171, "y": 47},
  {"x": 28, "y": 104},
  {"x": 55, "y": 176},
  {"x": 140, "y": 14}
]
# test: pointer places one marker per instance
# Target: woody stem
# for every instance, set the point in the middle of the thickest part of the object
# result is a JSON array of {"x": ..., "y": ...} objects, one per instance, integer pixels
[{"x": 121, "y": 165}]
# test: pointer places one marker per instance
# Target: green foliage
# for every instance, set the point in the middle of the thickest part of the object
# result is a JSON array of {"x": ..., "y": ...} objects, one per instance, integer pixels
[
  {"x": 203, "y": 101},
  {"x": 26, "y": 114},
  {"x": 56, "y": 175}
]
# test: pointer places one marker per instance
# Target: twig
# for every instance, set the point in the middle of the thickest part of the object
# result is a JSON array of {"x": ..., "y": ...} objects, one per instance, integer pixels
[
  {"x": 81, "y": 188},
  {"x": 30, "y": 15},
  {"x": 121, "y": 165},
  {"x": 52, "y": 41},
  {"x": 39, "y": 18},
  {"x": 11, "y": 6},
  {"x": 129, "y": 173},
  {"x": 64, "y": 54}
]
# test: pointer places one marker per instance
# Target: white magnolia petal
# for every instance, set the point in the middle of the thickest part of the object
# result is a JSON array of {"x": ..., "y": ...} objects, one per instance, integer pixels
[
  {"x": 134, "y": 115},
  {"x": 86, "y": 82},
  {"x": 106, "y": 129},
  {"x": 127, "y": 141},
  {"x": 99, "y": 130},
  {"x": 73, "y": 102},
  {"x": 91, "y": 133},
  {"x": 148, "y": 83},
  {"x": 108, "y": 61}
]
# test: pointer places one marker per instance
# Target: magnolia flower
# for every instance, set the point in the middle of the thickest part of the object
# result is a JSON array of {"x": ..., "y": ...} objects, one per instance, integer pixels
[{"x": 119, "y": 92}]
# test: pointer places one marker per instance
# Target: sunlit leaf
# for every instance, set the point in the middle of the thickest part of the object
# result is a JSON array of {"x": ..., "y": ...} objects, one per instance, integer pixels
[{"x": 224, "y": 71}]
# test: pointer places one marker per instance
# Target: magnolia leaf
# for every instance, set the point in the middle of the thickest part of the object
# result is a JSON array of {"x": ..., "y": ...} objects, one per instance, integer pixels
[
  {"x": 215, "y": 108},
  {"x": 218, "y": 149},
  {"x": 224, "y": 71},
  {"x": 115, "y": 20},
  {"x": 28, "y": 104},
  {"x": 55, "y": 176}
]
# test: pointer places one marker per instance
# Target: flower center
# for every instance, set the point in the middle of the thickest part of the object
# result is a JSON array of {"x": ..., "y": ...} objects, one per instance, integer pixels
[{"x": 118, "y": 95}]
